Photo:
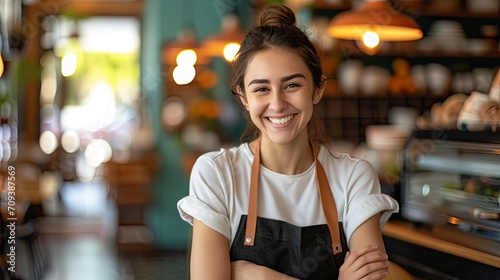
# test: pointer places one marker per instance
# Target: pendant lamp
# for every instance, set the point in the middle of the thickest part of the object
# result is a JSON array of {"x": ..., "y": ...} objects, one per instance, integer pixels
[
  {"x": 227, "y": 42},
  {"x": 186, "y": 40},
  {"x": 374, "y": 16},
  {"x": 182, "y": 56}
]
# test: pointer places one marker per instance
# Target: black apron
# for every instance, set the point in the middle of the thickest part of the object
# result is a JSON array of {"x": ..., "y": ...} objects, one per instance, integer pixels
[{"x": 313, "y": 252}]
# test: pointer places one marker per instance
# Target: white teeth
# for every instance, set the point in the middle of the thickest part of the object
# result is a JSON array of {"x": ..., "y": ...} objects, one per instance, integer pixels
[{"x": 282, "y": 120}]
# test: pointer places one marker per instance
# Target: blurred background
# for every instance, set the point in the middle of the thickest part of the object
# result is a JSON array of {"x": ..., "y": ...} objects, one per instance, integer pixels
[{"x": 105, "y": 105}]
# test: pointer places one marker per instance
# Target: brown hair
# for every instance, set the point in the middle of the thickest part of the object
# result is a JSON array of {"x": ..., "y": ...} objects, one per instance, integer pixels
[{"x": 278, "y": 29}]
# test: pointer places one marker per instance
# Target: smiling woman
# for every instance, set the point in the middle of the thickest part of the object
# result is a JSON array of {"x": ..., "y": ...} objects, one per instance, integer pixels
[{"x": 283, "y": 204}]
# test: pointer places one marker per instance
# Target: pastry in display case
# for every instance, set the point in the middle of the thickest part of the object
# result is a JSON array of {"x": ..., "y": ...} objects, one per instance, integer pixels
[{"x": 450, "y": 184}]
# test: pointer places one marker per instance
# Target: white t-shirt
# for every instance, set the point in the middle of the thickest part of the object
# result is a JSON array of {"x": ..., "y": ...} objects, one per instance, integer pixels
[{"x": 220, "y": 182}]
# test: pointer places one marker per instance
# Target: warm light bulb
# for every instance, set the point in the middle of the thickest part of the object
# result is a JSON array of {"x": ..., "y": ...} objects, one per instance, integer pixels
[
  {"x": 230, "y": 51},
  {"x": 1, "y": 66},
  {"x": 186, "y": 57},
  {"x": 370, "y": 39},
  {"x": 184, "y": 74},
  {"x": 369, "y": 42},
  {"x": 68, "y": 64}
]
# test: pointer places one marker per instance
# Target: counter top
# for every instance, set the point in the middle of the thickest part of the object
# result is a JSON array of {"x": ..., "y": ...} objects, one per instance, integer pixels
[{"x": 407, "y": 232}]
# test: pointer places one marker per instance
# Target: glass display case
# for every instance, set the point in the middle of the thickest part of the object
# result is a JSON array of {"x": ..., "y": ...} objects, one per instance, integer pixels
[{"x": 450, "y": 183}]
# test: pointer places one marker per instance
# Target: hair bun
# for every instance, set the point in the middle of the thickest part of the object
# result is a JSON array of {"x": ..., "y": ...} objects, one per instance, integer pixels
[{"x": 277, "y": 15}]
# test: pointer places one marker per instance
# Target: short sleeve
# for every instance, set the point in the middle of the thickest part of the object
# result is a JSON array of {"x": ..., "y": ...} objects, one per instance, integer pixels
[
  {"x": 364, "y": 198},
  {"x": 207, "y": 200}
]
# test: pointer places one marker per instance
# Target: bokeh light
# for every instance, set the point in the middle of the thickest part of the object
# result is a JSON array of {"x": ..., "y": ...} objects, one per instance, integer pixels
[
  {"x": 68, "y": 64},
  {"x": 186, "y": 57},
  {"x": 97, "y": 152},
  {"x": 230, "y": 51},
  {"x": 174, "y": 112},
  {"x": 83, "y": 170},
  {"x": 184, "y": 74},
  {"x": 48, "y": 142},
  {"x": 70, "y": 141}
]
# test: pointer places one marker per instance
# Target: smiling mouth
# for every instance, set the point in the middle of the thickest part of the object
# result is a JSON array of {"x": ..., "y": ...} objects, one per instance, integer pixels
[{"x": 281, "y": 120}]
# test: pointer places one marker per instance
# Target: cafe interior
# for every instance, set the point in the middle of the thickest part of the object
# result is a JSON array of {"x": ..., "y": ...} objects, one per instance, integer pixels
[{"x": 106, "y": 105}]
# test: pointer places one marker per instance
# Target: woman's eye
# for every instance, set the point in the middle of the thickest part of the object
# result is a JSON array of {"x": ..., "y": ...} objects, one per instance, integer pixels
[
  {"x": 292, "y": 85},
  {"x": 260, "y": 89}
]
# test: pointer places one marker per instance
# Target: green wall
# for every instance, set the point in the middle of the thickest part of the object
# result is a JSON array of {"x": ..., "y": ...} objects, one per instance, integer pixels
[{"x": 162, "y": 21}]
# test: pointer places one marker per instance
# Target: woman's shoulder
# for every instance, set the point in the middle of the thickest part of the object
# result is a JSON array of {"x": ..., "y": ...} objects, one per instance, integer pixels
[
  {"x": 227, "y": 154},
  {"x": 214, "y": 165},
  {"x": 342, "y": 159},
  {"x": 331, "y": 154}
]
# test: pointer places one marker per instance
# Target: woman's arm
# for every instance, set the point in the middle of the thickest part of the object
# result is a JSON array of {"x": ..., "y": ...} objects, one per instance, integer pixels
[
  {"x": 209, "y": 254},
  {"x": 210, "y": 259},
  {"x": 367, "y": 256},
  {"x": 243, "y": 270}
]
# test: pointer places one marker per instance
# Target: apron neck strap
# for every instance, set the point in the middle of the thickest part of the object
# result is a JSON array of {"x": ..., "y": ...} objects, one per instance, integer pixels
[
  {"x": 328, "y": 203},
  {"x": 325, "y": 193},
  {"x": 252, "y": 198}
]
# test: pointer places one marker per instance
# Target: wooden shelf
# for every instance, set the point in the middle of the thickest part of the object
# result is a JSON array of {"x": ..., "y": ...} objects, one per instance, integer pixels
[
  {"x": 410, "y": 50},
  {"x": 406, "y": 232},
  {"x": 95, "y": 8},
  {"x": 458, "y": 12},
  {"x": 382, "y": 97}
]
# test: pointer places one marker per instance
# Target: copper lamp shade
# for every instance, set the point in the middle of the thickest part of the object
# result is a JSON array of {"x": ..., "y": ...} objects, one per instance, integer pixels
[
  {"x": 230, "y": 33},
  {"x": 377, "y": 16},
  {"x": 185, "y": 40}
]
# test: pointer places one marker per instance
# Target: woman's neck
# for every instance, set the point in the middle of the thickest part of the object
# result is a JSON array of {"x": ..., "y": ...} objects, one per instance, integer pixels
[{"x": 293, "y": 158}]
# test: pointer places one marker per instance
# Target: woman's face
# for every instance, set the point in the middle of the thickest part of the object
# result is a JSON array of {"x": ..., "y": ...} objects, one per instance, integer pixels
[{"x": 279, "y": 93}]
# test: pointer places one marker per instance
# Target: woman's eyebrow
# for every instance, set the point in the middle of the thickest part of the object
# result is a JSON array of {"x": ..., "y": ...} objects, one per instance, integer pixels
[
  {"x": 293, "y": 76},
  {"x": 284, "y": 79},
  {"x": 259, "y": 81}
]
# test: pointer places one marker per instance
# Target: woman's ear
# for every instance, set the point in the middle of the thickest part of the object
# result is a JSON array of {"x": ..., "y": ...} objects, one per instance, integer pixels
[
  {"x": 243, "y": 97},
  {"x": 318, "y": 92}
]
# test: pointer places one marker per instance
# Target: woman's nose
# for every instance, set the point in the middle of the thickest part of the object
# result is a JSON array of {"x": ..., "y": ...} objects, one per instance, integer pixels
[{"x": 278, "y": 101}]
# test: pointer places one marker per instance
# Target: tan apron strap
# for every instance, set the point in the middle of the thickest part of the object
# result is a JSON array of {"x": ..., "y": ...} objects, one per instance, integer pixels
[
  {"x": 252, "y": 201},
  {"x": 328, "y": 203}
]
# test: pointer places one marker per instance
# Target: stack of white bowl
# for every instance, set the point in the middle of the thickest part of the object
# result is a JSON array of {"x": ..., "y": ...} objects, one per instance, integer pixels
[
  {"x": 448, "y": 35},
  {"x": 386, "y": 137},
  {"x": 383, "y": 146}
]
